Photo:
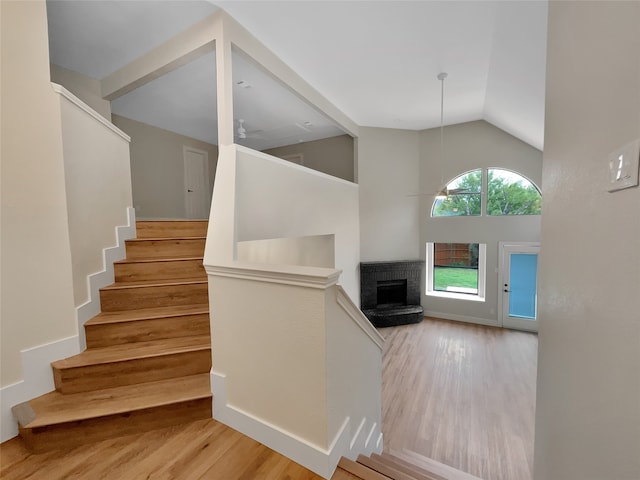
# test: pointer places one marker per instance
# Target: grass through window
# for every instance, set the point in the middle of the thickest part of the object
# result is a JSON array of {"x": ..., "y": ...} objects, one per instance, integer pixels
[{"x": 448, "y": 279}]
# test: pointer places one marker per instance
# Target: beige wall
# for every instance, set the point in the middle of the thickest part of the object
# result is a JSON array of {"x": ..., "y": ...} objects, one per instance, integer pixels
[
  {"x": 588, "y": 394},
  {"x": 470, "y": 146},
  {"x": 98, "y": 187},
  {"x": 37, "y": 304},
  {"x": 334, "y": 155},
  {"x": 85, "y": 88},
  {"x": 157, "y": 168},
  {"x": 388, "y": 179}
]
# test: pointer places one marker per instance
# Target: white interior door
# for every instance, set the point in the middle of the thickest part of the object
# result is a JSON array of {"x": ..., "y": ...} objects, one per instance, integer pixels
[
  {"x": 196, "y": 183},
  {"x": 518, "y": 293}
]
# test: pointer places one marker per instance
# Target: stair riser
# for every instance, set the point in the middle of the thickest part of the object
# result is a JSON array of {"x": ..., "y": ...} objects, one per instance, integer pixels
[
  {"x": 133, "y": 298},
  {"x": 115, "y": 374},
  {"x": 146, "y": 330},
  {"x": 165, "y": 248},
  {"x": 73, "y": 434},
  {"x": 160, "y": 270},
  {"x": 150, "y": 229}
]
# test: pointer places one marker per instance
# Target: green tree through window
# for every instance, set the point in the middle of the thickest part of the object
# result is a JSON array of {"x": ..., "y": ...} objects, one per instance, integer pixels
[
  {"x": 511, "y": 194},
  {"x": 464, "y": 196},
  {"x": 508, "y": 194}
]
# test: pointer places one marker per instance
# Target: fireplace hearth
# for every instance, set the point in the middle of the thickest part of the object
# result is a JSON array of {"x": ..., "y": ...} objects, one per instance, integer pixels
[{"x": 390, "y": 292}]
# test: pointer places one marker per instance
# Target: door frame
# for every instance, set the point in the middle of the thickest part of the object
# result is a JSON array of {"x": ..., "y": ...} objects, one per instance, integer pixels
[
  {"x": 503, "y": 250},
  {"x": 208, "y": 193}
]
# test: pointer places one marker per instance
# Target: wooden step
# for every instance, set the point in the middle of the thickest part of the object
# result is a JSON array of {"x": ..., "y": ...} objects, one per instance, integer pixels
[
  {"x": 395, "y": 470},
  {"x": 171, "y": 228},
  {"x": 142, "y": 325},
  {"x": 360, "y": 471},
  {"x": 55, "y": 420},
  {"x": 164, "y": 247},
  {"x": 135, "y": 270},
  {"x": 427, "y": 466},
  {"x": 136, "y": 295},
  {"x": 117, "y": 365}
]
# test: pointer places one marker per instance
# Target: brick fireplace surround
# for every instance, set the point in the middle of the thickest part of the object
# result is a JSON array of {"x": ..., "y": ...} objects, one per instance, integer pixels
[{"x": 390, "y": 292}]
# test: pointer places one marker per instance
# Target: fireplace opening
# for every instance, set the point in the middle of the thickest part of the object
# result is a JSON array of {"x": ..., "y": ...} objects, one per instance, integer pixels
[{"x": 391, "y": 293}]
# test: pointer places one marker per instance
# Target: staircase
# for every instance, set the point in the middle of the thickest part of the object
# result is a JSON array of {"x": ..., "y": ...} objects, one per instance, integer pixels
[
  {"x": 390, "y": 467},
  {"x": 148, "y": 352}
]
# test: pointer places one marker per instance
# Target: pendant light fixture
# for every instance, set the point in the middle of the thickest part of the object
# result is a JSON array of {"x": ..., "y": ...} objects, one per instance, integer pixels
[{"x": 442, "y": 194}]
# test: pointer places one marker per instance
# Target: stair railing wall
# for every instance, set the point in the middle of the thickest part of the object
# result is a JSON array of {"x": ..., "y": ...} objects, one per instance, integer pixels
[{"x": 296, "y": 366}]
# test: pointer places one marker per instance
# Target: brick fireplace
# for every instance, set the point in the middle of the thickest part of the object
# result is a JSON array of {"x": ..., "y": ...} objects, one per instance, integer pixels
[{"x": 390, "y": 292}]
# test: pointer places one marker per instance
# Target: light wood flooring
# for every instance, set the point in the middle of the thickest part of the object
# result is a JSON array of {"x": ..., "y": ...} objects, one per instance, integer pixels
[
  {"x": 460, "y": 394},
  {"x": 204, "y": 449}
]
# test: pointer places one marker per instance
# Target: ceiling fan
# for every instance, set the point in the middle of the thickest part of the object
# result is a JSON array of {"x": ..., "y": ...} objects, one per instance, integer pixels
[
  {"x": 444, "y": 192},
  {"x": 242, "y": 133}
]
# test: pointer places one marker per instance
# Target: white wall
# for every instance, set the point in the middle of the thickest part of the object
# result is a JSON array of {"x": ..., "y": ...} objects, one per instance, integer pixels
[
  {"x": 85, "y": 88},
  {"x": 388, "y": 176},
  {"x": 157, "y": 168},
  {"x": 98, "y": 188},
  {"x": 311, "y": 251},
  {"x": 588, "y": 394},
  {"x": 37, "y": 302},
  {"x": 470, "y": 146},
  {"x": 276, "y": 199}
]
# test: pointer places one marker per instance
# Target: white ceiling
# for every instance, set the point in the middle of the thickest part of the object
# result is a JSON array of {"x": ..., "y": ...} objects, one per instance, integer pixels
[{"x": 377, "y": 61}]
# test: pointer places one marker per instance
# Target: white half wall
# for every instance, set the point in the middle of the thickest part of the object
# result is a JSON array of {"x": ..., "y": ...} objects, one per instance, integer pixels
[
  {"x": 588, "y": 394},
  {"x": 265, "y": 197}
]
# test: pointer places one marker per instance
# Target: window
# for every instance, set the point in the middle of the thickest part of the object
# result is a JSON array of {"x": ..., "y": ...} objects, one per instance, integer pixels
[
  {"x": 508, "y": 193},
  {"x": 511, "y": 194},
  {"x": 456, "y": 270},
  {"x": 463, "y": 196}
]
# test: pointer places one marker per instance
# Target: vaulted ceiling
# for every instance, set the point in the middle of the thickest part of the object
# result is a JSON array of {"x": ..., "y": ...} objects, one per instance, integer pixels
[{"x": 377, "y": 61}]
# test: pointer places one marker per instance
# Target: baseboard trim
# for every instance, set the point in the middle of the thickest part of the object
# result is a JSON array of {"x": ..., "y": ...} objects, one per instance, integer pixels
[
  {"x": 38, "y": 379},
  {"x": 314, "y": 457},
  {"x": 462, "y": 318},
  {"x": 105, "y": 277}
]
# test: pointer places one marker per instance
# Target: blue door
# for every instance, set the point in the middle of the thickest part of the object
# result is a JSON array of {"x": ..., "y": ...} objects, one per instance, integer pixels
[{"x": 519, "y": 287}]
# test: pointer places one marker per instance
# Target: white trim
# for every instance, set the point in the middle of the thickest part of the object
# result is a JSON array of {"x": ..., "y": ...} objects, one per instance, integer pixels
[
  {"x": 38, "y": 379},
  {"x": 105, "y": 277},
  {"x": 462, "y": 318},
  {"x": 358, "y": 317},
  {"x": 90, "y": 111},
  {"x": 311, "y": 277},
  {"x": 322, "y": 461}
]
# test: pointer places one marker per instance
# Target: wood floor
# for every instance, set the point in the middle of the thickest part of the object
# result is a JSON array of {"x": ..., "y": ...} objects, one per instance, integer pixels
[
  {"x": 463, "y": 395},
  {"x": 204, "y": 449},
  {"x": 460, "y": 394}
]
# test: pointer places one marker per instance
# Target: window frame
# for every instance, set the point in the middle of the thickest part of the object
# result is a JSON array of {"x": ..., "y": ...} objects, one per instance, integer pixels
[
  {"x": 482, "y": 277},
  {"x": 484, "y": 194}
]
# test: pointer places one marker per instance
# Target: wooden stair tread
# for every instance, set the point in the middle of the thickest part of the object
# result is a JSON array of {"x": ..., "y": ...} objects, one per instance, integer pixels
[
  {"x": 165, "y": 239},
  {"x": 360, "y": 470},
  {"x": 428, "y": 466},
  {"x": 137, "y": 350},
  {"x": 176, "y": 258},
  {"x": 395, "y": 470},
  {"x": 55, "y": 407},
  {"x": 147, "y": 314},
  {"x": 156, "y": 283}
]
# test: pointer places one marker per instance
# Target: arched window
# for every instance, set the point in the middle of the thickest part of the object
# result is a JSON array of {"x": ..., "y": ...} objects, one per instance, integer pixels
[
  {"x": 508, "y": 193},
  {"x": 463, "y": 196}
]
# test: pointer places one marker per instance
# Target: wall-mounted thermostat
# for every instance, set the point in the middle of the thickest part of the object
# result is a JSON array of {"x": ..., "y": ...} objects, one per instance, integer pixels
[{"x": 623, "y": 166}]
